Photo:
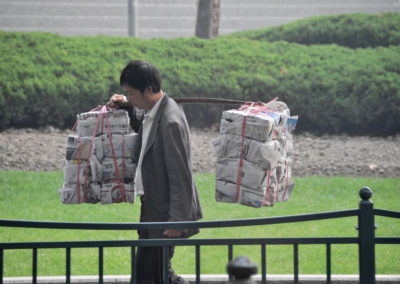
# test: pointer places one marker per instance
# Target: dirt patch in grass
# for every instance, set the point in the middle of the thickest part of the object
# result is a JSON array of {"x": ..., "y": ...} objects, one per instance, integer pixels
[{"x": 44, "y": 150}]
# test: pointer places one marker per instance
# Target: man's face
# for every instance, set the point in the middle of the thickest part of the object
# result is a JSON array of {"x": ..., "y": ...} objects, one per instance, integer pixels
[{"x": 137, "y": 98}]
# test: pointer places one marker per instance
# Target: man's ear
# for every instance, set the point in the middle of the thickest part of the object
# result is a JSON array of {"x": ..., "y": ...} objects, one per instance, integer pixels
[{"x": 148, "y": 90}]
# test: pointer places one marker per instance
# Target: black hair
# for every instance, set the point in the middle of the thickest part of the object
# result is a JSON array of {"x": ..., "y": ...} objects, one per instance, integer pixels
[{"x": 139, "y": 75}]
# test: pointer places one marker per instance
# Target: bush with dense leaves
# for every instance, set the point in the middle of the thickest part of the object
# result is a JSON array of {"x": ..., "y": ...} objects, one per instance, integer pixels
[
  {"x": 351, "y": 30},
  {"x": 47, "y": 79}
]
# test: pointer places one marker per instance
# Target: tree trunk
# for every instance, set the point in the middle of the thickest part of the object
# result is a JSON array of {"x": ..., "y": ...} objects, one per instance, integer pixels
[{"x": 207, "y": 18}]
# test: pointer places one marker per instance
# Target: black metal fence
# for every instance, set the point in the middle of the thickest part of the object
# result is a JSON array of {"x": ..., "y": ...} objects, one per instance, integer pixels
[{"x": 366, "y": 240}]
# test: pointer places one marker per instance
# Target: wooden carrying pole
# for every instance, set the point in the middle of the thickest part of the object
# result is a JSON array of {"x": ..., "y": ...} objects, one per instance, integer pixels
[{"x": 197, "y": 100}]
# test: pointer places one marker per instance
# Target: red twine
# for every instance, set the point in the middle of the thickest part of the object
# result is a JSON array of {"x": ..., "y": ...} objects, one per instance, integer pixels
[{"x": 102, "y": 112}]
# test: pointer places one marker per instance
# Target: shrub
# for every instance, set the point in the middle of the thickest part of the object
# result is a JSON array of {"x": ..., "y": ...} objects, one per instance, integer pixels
[
  {"x": 351, "y": 30},
  {"x": 47, "y": 79}
]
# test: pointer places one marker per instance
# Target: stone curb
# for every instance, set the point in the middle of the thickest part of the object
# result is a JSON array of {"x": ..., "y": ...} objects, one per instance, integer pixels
[{"x": 210, "y": 278}]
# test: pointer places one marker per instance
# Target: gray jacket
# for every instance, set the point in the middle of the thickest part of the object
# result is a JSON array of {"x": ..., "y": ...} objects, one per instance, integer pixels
[{"x": 170, "y": 193}]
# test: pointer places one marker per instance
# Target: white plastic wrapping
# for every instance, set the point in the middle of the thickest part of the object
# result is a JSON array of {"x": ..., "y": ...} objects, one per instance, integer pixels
[
  {"x": 118, "y": 121},
  {"x": 129, "y": 140},
  {"x": 90, "y": 176},
  {"x": 77, "y": 143},
  {"x": 109, "y": 171},
  {"x": 112, "y": 192},
  {"x": 265, "y": 155},
  {"x": 69, "y": 193},
  {"x": 254, "y": 155}
]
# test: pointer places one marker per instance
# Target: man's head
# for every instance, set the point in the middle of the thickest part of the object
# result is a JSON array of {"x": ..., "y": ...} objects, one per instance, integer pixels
[
  {"x": 142, "y": 84},
  {"x": 140, "y": 75}
]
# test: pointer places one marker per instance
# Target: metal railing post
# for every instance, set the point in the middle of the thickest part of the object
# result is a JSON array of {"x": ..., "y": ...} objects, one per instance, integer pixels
[
  {"x": 366, "y": 235},
  {"x": 263, "y": 264},
  {"x": 1, "y": 266},
  {"x": 166, "y": 251},
  {"x": 296, "y": 263},
  {"x": 328, "y": 264},
  {"x": 34, "y": 266},
  {"x": 101, "y": 260},
  {"x": 68, "y": 266},
  {"x": 198, "y": 264},
  {"x": 230, "y": 257},
  {"x": 133, "y": 264}
]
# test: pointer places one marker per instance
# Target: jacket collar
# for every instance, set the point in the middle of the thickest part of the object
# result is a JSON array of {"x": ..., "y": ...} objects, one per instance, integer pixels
[{"x": 156, "y": 122}]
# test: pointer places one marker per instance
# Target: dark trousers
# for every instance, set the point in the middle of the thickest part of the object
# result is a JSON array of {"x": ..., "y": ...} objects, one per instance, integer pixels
[{"x": 149, "y": 263}]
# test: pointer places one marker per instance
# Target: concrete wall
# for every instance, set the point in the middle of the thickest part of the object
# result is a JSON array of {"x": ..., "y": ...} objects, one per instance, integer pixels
[{"x": 168, "y": 18}]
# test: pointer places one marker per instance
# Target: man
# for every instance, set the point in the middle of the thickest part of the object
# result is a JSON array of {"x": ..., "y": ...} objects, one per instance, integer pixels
[{"x": 164, "y": 177}]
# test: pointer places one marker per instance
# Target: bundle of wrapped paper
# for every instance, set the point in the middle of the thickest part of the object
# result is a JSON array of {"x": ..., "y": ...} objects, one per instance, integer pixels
[
  {"x": 89, "y": 122},
  {"x": 254, "y": 154},
  {"x": 99, "y": 165}
]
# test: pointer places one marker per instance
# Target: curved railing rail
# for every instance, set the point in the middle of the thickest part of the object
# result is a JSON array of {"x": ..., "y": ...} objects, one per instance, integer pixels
[
  {"x": 179, "y": 225},
  {"x": 387, "y": 213}
]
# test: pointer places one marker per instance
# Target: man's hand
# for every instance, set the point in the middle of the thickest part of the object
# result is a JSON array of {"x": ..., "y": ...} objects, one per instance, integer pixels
[
  {"x": 172, "y": 233},
  {"x": 115, "y": 99}
]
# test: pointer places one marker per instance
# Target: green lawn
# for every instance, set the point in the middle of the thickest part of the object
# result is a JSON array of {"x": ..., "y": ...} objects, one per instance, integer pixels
[{"x": 34, "y": 196}]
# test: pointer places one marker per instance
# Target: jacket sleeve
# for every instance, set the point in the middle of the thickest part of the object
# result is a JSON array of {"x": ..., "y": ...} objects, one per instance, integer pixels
[
  {"x": 135, "y": 116},
  {"x": 179, "y": 171}
]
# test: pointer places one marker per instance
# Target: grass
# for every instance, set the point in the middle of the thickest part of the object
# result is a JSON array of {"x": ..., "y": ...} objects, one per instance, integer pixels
[{"x": 34, "y": 196}]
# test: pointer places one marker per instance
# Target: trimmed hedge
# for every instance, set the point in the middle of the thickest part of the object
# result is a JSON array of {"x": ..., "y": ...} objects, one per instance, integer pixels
[
  {"x": 46, "y": 79},
  {"x": 351, "y": 30}
]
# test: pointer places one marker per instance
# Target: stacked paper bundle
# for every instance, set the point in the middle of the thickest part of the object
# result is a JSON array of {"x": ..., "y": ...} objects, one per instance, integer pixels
[
  {"x": 254, "y": 154},
  {"x": 98, "y": 165}
]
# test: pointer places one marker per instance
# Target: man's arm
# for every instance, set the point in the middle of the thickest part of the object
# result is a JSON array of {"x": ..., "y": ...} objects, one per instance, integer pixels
[
  {"x": 135, "y": 115},
  {"x": 180, "y": 178},
  {"x": 173, "y": 233}
]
